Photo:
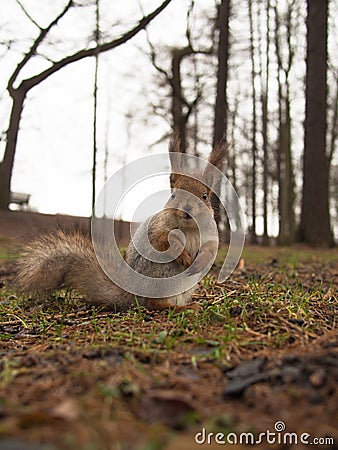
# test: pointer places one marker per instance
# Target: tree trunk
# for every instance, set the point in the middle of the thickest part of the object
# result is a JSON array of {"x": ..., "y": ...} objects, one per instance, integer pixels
[
  {"x": 253, "y": 234},
  {"x": 94, "y": 134},
  {"x": 180, "y": 118},
  {"x": 315, "y": 220},
  {"x": 221, "y": 106},
  {"x": 334, "y": 123},
  {"x": 96, "y": 71},
  {"x": 285, "y": 175},
  {"x": 286, "y": 182},
  {"x": 264, "y": 100},
  {"x": 6, "y": 167}
]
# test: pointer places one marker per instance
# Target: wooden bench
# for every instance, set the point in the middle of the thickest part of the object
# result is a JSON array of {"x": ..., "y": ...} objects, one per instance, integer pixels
[{"x": 20, "y": 199}]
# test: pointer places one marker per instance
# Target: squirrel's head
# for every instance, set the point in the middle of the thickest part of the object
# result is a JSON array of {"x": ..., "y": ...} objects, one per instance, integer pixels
[{"x": 191, "y": 191}]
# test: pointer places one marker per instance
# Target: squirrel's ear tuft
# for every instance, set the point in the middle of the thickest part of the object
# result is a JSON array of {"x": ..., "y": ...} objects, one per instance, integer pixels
[
  {"x": 175, "y": 159},
  {"x": 218, "y": 154},
  {"x": 217, "y": 158}
]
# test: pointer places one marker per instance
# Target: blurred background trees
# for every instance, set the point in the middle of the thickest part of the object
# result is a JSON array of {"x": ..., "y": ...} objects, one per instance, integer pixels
[
  {"x": 19, "y": 93},
  {"x": 261, "y": 73}
]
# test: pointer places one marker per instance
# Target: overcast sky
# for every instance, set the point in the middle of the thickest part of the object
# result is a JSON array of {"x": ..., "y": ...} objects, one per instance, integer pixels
[{"x": 54, "y": 153}]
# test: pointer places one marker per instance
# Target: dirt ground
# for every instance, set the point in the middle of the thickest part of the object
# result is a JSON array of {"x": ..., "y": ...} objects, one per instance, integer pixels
[{"x": 258, "y": 365}]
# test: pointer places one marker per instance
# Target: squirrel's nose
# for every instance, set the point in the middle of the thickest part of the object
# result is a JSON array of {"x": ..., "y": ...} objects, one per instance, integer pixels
[{"x": 187, "y": 208}]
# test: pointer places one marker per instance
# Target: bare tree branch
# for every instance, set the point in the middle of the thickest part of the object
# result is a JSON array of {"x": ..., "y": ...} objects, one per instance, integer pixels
[
  {"x": 85, "y": 53},
  {"x": 153, "y": 58},
  {"x": 35, "y": 45},
  {"x": 28, "y": 15},
  {"x": 188, "y": 31}
]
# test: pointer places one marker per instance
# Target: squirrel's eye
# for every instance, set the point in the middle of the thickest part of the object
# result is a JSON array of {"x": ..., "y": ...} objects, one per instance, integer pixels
[
  {"x": 173, "y": 195},
  {"x": 205, "y": 196}
]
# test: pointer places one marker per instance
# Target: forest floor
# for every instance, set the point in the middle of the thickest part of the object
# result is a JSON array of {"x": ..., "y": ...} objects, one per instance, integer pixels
[{"x": 260, "y": 357}]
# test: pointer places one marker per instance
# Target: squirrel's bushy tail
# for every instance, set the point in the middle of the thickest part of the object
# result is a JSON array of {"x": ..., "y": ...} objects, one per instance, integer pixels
[{"x": 67, "y": 259}]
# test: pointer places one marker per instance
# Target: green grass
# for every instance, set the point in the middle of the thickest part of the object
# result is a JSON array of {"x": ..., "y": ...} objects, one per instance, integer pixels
[
  {"x": 258, "y": 310},
  {"x": 285, "y": 255},
  {"x": 280, "y": 300}
]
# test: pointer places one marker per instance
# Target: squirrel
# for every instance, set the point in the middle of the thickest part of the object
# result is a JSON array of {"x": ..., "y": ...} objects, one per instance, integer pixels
[{"x": 66, "y": 259}]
